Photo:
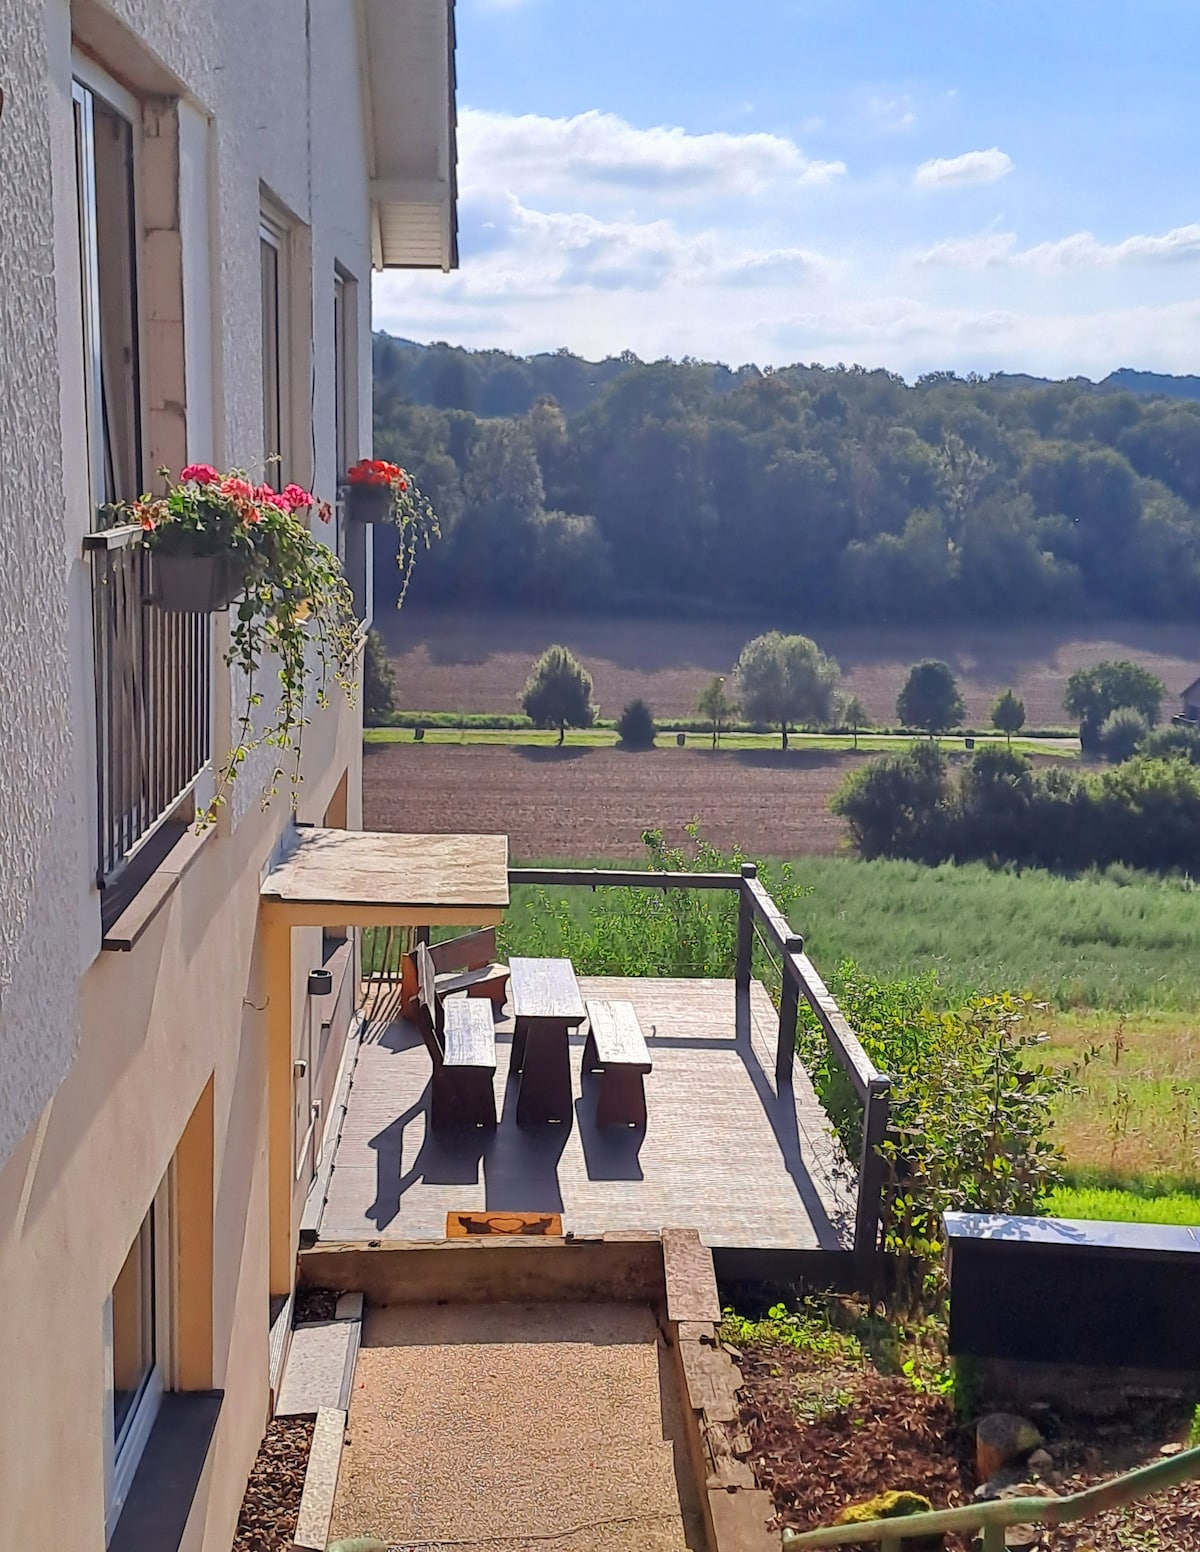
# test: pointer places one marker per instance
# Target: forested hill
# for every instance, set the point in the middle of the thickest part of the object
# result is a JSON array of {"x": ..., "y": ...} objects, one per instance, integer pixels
[{"x": 808, "y": 492}]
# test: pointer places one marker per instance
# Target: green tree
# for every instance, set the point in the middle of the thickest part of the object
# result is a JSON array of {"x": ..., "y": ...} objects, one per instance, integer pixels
[
  {"x": 854, "y": 716},
  {"x": 379, "y": 681},
  {"x": 786, "y": 681},
  {"x": 635, "y": 726},
  {"x": 715, "y": 707},
  {"x": 558, "y": 692},
  {"x": 1008, "y": 714},
  {"x": 1093, "y": 694},
  {"x": 930, "y": 699}
]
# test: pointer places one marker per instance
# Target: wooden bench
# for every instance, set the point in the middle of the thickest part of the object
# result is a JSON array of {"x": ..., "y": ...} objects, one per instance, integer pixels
[
  {"x": 616, "y": 1048},
  {"x": 464, "y": 964},
  {"x": 460, "y": 1035}
]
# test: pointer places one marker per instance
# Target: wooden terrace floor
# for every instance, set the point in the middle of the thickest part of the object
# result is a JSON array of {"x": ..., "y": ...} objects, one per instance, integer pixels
[{"x": 722, "y": 1153}]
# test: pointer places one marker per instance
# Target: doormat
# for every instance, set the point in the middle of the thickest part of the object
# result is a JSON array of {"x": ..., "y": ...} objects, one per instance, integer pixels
[{"x": 469, "y": 1225}]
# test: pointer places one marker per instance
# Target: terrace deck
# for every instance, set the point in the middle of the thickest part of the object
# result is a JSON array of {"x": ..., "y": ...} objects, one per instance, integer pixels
[{"x": 723, "y": 1152}]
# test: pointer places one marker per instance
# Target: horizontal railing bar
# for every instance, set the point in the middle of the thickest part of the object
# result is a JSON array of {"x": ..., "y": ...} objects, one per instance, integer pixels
[
  {"x": 1011, "y": 1511},
  {"x": 632, "y": 878},
  {"x": 769, "y": 914},
  {"x": 113, "y": 538}
]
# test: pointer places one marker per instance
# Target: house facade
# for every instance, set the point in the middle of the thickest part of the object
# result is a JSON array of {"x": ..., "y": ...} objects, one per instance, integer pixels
[{"x": 194, "y": 196}]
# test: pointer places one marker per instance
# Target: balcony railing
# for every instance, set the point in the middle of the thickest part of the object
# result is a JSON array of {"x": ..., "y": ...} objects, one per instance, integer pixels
[
  {"x": 759, "y": 916},
  {"x": 153, "y": 704}
]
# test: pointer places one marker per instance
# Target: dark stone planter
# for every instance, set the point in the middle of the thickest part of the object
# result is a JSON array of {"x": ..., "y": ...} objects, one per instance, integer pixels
[
  {"x": 368, "y": 503},
  {"x": 193, "y": 584}
]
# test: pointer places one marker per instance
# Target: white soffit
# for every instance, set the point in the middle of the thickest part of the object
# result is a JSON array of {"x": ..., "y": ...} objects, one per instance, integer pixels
[{"x": 409, "y": 92}]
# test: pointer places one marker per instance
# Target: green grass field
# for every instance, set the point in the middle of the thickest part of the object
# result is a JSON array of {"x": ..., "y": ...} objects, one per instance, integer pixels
[
  {"x": 1064, "y": 748},
  {"x": 1125, "y": 1206}
]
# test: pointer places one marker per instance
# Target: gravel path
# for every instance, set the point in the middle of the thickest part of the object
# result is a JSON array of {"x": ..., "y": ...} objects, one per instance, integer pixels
[{"x": 499, "y": 1427}]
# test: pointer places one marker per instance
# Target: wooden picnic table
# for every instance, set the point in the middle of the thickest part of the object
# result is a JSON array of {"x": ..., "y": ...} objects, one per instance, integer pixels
[{"x": 547, "y": 1005}]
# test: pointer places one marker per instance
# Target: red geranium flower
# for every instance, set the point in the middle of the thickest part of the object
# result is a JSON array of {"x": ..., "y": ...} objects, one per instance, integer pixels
[
  {"x": 297, "y": 496},
  {"x": 200, "y": 473}
]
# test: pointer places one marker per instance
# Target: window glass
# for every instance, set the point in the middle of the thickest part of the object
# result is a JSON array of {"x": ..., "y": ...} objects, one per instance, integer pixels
[{"x": 133, "y": 1353}]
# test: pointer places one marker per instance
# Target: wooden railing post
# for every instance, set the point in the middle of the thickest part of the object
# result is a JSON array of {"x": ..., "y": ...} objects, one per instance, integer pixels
[
  {"x": 745, "y": 938},
  {"x": 876, "y": 1115},
  {"x": 789, "y": 1004},
  {"x": 745, "y": 953}
]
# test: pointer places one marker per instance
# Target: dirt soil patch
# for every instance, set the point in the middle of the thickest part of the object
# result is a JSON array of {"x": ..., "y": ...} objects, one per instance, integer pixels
[
  {"x": 315, "y": 1304},
  {"x": 823, "y": 1437},
  {"x": 467, "y": 661},
  {"x": 271, "y": 1506},
  {"x": 581, "y": 803}
]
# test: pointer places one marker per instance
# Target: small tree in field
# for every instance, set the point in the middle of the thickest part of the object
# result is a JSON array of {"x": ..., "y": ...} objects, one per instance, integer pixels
[
  {"x": 715, "y": 707},
  {"x": 855, "y": 716},
  {"x": 558, "y": 692},
  {"x": 786, "y": 681},
  {"x": 1008, "y": 714},
  {"x": 930, "y": 699},
  {"x": 1093, "y": 694},
  {"x": 635, "y": 726}
]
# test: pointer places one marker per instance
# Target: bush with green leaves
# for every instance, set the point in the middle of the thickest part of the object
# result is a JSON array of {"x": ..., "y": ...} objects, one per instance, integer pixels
[
  {"x": 1093, "y": 694},
  {"x": 635, "y": 726},
  {"x": 1144, "y": 813},
  {"x": 379, "y": 682},
  {"x": 1182, "y": 742},
  {"x": 972, "y": 1113},
  {"x": 1122, "y": 733}
]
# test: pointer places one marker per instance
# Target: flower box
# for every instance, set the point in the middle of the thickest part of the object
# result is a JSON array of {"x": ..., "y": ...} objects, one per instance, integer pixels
[
  {"x": 368, "y": 503},
  {"x": 193, "y": 584}
]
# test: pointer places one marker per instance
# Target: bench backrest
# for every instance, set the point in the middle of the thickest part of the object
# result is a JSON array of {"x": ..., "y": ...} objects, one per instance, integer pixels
[
  {"x": 472, "y": 951},
  {"x": 429, "y": 1011}
]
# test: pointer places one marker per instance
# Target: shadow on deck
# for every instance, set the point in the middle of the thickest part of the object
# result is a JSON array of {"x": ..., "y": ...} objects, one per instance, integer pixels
[{"x": 724, "y": 1152}]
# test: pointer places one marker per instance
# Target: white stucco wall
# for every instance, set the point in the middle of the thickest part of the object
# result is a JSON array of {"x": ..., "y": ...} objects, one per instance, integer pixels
[
  {"x": 40, "y": 815},
  {"x": 103, "y": 1056},
  {"x": 261, "y": 76}
]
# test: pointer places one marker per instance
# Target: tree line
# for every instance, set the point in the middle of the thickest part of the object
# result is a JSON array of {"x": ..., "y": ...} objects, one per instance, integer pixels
[{"x": 823, "y": 493}]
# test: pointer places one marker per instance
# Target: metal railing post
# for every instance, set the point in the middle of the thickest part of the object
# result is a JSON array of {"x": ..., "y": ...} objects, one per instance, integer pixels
[
  {"x": 789, "y": 1005},
  {"x": 745, "y": 937},
  {"x": 876, "y": 1115}
]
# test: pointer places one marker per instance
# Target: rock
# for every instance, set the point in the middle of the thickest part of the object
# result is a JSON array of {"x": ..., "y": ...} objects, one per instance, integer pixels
[
  {"x": 893, "y": 1506},
  {"x": 1040, "y": 1462},
  {"x": 1171, "y": 1449},
  {"x": 995, "y": 1485},
  {"x": 1003, "y": 1439}
]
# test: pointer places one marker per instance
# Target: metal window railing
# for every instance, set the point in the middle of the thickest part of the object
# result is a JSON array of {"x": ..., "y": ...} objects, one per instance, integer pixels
[
  {"x": 153, "y": 674},
  {"x": 758, "y": 915},
  {"x": 994, "y": 1517}
]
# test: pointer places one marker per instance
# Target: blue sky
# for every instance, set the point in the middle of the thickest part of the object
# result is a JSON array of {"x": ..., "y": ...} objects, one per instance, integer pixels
[{"x": 970, "y": 184}]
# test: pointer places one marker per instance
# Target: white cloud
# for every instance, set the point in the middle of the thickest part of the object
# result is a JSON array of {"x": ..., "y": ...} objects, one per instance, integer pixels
[
  {"x": 969, "y": 169},
  {"x": 599, "y": 152},
  {"x": 1081, "y": 250},
  {"x": 511, "y": 249}
]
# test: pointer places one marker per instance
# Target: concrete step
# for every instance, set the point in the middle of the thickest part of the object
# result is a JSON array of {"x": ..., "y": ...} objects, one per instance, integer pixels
[{"x": 320, "y": 1368}]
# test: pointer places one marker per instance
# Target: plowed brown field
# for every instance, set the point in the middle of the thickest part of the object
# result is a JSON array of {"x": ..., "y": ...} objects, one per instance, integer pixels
[
  {"x": 461, "y": 661},
  {"x": 595, "y": 803}
]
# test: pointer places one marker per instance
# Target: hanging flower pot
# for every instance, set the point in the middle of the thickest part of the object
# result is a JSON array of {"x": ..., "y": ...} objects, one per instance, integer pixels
[
  {"x": 367, "y": 503},
  {"x": 192, "y": 584}
]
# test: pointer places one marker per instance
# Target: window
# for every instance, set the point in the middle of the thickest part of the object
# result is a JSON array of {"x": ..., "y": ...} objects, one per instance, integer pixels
[
  {"x": 105, "y": 143},
  {"x": 138, "y": 1336},
  {"x": 342, "y": 398},
  {"x": 274, "y": 255}
]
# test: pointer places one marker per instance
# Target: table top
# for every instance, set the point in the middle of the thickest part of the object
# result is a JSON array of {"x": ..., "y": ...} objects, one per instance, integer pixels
[{"x": 546, "y": 989}]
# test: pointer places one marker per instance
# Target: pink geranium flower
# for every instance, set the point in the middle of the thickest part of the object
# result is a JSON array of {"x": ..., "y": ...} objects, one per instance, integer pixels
[{"x": 200, "y": 474}]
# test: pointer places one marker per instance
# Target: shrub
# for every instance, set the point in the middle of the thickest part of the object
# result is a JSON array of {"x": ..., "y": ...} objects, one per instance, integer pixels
[
  {"x": 635, "y": 726},
  {"x": 1121, "y": 733},
  {"x": 972, "y": 1110},
  {"x": 379, "y": 682},
  {"x": 1179, "y": 742}
]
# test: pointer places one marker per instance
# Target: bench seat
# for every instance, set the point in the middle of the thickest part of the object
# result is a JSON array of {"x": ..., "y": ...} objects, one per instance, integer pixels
[
  {"x": 616, "y": 1049},
  {"x": 460, "y": 1035}
]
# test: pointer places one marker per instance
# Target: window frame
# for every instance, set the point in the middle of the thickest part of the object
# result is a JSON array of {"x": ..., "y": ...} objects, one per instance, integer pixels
[
  {"x": 89, "y": 83},
  {"x": 123, "y": 1449},
  {"x": 274, "y": 234}
]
